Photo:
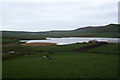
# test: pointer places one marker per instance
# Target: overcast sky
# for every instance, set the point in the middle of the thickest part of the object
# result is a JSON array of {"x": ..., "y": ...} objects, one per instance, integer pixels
[{"x": 45, "y": 15}]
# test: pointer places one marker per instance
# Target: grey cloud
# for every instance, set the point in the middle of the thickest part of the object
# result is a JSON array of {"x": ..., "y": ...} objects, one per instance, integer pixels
[{"x": 53, "y": 15}]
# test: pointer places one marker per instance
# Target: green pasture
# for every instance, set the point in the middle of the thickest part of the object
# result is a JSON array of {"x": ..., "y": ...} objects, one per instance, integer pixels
[
  {"x": 9, "y": 41},
  {"x": 55, "y": 48},
  {"x": 109, "y": 48},
  {"x": 21, "y": 50},
  {"x": 62, "y": 65}
]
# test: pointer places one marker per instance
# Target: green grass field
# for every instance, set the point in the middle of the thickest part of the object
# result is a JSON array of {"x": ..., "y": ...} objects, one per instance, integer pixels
[
  {"x": 55, "y": 48},
  {"x": 62, "y": 65},
  {"x": 109, "y": 48},
  {"x": 7, "y": 41},
  {"x": 37, "y": 49}
]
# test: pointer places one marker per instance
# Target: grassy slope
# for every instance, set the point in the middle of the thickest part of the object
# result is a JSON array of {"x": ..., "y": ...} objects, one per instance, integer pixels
[
  {"x": 9, "y": 41},
  {"x": 57, "y": 48},
  {"x": 19, "y": 35},
  {"x": 36, "y": 49},
  {"x": 104, "y": 31},
  {"x": 62, "y": 65},
  {"x": 110, "y": 48}
]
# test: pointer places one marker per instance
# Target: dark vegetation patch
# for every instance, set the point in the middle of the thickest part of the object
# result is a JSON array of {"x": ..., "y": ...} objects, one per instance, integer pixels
[{"x": 83, "y": 49}]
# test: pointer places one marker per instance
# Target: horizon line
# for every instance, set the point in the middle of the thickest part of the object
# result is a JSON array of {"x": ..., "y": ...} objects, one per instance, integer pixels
[{"x": 58, "y": 29}]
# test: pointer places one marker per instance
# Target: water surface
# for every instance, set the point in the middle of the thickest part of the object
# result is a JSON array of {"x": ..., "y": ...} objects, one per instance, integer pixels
[{"x": 71, "y": 40}]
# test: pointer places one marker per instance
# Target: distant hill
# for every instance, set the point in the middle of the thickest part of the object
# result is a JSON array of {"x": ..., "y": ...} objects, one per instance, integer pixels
[{"x": 110, "y": 30}]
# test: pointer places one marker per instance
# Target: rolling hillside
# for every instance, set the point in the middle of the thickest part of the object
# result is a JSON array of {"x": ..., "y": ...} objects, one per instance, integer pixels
[{"x": 110, "y": 30}]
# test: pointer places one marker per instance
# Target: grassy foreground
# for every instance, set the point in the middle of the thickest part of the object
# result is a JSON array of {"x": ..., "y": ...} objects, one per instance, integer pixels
[{"x": 62, "y": 65}]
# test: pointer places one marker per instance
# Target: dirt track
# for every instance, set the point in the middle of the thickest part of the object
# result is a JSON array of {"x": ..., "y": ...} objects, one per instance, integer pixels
[
  {"x": 83, "y": 49},
  {"x": 37, "y": 44}
]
